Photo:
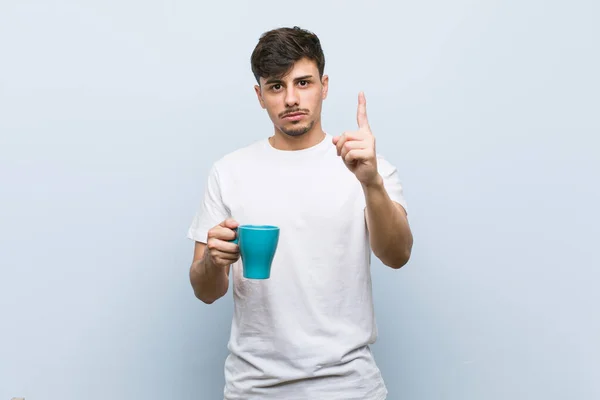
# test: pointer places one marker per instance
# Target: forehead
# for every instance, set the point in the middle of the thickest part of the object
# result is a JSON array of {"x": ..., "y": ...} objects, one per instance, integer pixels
[{"x": 300, "y": 68}]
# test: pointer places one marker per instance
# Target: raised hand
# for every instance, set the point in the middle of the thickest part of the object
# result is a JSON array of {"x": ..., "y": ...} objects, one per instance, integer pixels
[{"x": 357, "y": 148}]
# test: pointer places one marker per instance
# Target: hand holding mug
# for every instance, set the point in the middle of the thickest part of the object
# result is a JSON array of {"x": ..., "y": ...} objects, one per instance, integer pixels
[{"x": 220, "y": 251}]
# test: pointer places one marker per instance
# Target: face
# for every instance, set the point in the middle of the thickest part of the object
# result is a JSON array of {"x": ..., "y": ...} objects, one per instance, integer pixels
[{"x": 294, "y": 101}]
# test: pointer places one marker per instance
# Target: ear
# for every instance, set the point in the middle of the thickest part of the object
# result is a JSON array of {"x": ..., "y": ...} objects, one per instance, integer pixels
[
  {"x": 325, "y": 84},
  {"x": 259, "y": 95}
]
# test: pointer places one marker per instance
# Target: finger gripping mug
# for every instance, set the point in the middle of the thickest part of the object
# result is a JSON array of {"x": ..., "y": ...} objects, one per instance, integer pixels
[{"x": 258, "y": 244}]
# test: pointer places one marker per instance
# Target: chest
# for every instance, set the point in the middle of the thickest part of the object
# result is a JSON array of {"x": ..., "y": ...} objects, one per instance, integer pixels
[{"x": 295, "y": 196}]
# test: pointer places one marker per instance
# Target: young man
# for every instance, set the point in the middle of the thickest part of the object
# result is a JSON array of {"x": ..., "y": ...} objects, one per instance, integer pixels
[{"x": 305, "y": 332}]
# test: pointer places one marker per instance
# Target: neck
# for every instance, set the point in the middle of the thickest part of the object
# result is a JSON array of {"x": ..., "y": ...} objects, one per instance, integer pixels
[{"x": 281, "y": 141}]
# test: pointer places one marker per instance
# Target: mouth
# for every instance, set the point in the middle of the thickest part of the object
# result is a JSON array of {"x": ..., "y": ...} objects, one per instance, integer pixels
[{"x": 294, "y": 116}]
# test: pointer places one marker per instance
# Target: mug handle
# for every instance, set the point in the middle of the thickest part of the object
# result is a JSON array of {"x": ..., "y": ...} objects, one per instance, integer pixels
[{"x": 236, "y": 240}]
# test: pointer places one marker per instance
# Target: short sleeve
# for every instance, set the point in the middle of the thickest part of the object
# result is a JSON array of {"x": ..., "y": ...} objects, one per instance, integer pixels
[
  {"x": 211, "y": 212},
  {"x": 391, "y": 181}
]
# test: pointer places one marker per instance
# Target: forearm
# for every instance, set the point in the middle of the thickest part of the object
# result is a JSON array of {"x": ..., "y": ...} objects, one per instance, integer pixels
[
  {"x": 389, "y": 232},
  {"x": 209, "y": 282}
]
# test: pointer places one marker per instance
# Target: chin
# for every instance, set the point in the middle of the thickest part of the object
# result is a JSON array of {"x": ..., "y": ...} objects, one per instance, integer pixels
[{"x": 296, "y": 131}]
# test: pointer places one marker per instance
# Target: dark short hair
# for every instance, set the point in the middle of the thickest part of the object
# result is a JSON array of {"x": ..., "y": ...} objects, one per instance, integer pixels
[{"x": 278, "y": 49}]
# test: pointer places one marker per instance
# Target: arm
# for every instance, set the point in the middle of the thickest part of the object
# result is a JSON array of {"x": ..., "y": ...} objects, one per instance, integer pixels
[
  {"x": 209, "y": 282},
  {"x": 389, "y": 232}
]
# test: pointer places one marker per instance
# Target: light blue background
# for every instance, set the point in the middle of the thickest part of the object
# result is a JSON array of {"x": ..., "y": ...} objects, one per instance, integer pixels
[{"x": 112, "y": 112}]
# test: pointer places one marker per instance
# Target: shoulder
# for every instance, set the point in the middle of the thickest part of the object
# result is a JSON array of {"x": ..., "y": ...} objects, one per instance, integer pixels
[
  {"x": 391, "y": 180},
  {"x": 384, "y": 166},
  {"x": 236, "y": 158}
]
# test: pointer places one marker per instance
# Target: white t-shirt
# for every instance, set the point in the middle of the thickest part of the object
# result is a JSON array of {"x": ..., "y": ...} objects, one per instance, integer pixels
[{"x": 305, "y": 332}]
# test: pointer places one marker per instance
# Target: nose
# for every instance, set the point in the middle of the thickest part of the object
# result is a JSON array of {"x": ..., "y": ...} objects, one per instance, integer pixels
[{"x": 291, "y": 98}]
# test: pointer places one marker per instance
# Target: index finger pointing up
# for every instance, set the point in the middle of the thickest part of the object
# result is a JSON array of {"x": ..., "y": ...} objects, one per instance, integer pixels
[{"x": 361, "y": 112}]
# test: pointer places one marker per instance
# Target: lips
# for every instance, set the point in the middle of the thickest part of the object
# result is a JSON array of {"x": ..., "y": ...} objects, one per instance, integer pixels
[{"x": 294, "y": 116}]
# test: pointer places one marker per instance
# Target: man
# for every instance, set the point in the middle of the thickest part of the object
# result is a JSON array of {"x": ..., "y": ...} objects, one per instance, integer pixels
[{"x": 305, "y": 332}]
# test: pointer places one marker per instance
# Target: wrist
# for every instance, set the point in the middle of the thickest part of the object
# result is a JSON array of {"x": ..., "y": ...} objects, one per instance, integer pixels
[
  {"x": 206, "y": 265},
  {"x": 374, "y": 184}
]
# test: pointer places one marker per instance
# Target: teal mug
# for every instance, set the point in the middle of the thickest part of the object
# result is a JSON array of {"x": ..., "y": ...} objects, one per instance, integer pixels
[{"x": 257, "y": 244}]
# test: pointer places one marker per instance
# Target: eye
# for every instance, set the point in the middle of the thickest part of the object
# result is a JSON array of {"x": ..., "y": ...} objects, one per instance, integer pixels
[
  {"x": 276, "y": 87},
  {"x": 303, "y": 83}
]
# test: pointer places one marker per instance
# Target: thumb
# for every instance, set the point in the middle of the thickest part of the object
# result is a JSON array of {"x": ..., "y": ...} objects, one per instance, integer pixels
[{"x": 229, "y": 223}]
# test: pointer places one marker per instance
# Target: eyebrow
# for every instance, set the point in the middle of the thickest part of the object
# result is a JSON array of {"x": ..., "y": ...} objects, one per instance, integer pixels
[{"x": 300, "y": 78}]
